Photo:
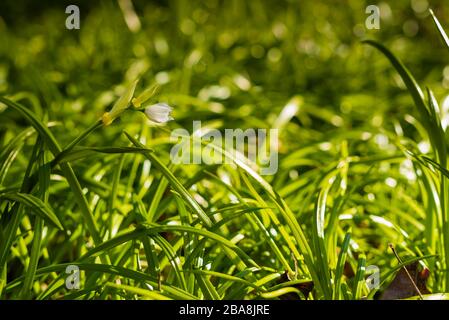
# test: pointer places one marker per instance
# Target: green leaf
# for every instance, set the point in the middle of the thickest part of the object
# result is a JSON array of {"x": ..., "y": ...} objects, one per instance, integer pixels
[
  {"x": 69, "y": 174},
  {"x": 36, "y": 205},
  {"x": 84, "y": 152},
  {"x": 318, "y": 235},
  {"x": 443, "y": 34},
  {"x": 341, "y": 264},
  {"x": 416, "y": 93},
  {"x": 44, "y": 182},
  {"x": 359, "y": 279},
  {"x": 175, "y": 183},
  {"x": 174, "y": 292},
  {"x": 142, "y": 292},
  {"x": 121, "y": 104}
]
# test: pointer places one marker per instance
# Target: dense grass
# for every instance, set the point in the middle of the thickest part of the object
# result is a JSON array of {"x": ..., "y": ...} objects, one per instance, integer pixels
[{"x": 362, "y": 161}]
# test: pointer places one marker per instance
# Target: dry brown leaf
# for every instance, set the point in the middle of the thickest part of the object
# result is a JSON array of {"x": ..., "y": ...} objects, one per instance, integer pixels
[{"x": 401, "y": 287}]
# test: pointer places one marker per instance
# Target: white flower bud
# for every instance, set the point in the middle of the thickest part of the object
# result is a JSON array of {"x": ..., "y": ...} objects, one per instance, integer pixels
[{"x": 159, "y": 113}]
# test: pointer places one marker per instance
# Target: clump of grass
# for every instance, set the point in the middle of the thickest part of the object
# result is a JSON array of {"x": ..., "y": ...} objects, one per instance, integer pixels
[{"x": 85, "y": 180}]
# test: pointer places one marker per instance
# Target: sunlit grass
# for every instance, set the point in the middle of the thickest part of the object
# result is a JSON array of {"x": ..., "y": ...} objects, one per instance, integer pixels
[{"x": 86, "y": 180}]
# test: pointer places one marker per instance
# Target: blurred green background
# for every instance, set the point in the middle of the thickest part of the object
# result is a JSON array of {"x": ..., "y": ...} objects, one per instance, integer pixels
[{"x": 240, "y": 53}]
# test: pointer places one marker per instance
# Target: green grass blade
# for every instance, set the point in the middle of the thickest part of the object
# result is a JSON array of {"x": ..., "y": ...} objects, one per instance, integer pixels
[
  {"x": 340, "y": 265},
  {"x": 359, "y": 279},
  {"x": 69, "y": 174},
  {"x": 36, "y": 205},
  {"x": 44, "y": 182},
  {"x": 175, "y": 183},
  {"x": 318, "y": 236},
  {"x": 443, "y": 34},
  {"x": 414, "y": 89},
  {"x": 79, "y": 153},
  {"x": 139, "y": 291}
]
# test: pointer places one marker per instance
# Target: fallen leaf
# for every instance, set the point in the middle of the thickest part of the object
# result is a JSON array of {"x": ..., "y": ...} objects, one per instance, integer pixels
[{"x": 401, "y": 287}]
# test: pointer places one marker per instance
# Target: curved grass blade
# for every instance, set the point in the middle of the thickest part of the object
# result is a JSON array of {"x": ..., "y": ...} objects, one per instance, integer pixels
[
  {"x": 173, "y": 258},
  {"x": 281, "y": 292},
  {"x": 155, "y": 229},
  {"x": 434, "y": 131},
  {"x": 69, "y": 174},
  {"x": 281, "y": 205},
  {"x": 340, "y": 265},
  {"x": 318, "y": 236},
  {"x": 359, "y": 280},
  {"x": 443, "y": 34},
  {"x": 415, "y": 91},
  {"x": 225, "y": 277},
  {"x": 175, "y": 293},
  {"x": 207, "y": 288},
  {"x": 175, "y": 183},
  {"x": 12, "y": 218},
  {"x": 84, "y": 152},
  {"x": 135, "y": 290},
  {"x": 36, "y": 205},
  {"x": 44, "y": 182}
]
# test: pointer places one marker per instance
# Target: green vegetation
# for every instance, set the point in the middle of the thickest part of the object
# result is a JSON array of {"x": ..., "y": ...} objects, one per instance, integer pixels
[{"x": 86, "y": 180}]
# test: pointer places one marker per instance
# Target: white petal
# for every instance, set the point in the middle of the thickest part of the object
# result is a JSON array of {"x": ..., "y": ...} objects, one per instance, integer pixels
[{"x": 159, "y": 112}]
